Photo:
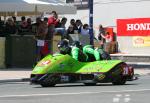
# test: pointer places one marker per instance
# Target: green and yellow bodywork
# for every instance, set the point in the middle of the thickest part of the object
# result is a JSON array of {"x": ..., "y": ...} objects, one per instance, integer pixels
[{"x": 64, "y": 65}]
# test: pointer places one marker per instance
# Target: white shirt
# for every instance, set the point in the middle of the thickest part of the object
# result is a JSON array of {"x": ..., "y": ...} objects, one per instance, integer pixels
[{"x": 84, "y": 32}]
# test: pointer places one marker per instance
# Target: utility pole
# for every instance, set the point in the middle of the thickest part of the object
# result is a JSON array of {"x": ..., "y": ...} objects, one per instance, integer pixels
[{"x": 91, "y": 22}]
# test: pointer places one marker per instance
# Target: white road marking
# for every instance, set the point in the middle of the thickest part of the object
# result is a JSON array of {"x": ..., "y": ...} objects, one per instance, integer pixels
[
  {"x": 74, "y": 93},
  {"x": 118, "y": 95},
  {"x": 116, "y": 100},
  {"x": 127, "y": 95},
  {"x": 126, "y": 100}
]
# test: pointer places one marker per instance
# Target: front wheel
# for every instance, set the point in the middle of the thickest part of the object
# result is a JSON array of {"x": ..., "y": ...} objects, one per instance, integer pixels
[
  {"x": 47, "y": 84},
  {"x": 50, "y": 81}
]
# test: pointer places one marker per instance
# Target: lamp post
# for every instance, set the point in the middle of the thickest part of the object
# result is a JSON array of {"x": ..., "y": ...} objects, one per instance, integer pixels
[{"x": 91, "y": 22}]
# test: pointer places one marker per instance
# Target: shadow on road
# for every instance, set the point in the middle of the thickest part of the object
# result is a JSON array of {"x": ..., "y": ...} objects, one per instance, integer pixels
[{"x": 82, "y": 85}]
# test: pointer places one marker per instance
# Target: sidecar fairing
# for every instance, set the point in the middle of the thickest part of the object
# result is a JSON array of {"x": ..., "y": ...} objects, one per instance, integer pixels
[{"x": 60, "y": 68}]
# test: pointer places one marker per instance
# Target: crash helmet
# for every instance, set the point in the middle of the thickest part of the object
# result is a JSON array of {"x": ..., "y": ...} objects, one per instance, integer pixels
[
  {"x": 64, "y": 47},
  {"x": 77, "y": 44}
]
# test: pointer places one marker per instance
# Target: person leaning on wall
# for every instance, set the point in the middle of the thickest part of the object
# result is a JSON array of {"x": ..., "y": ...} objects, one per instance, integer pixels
[
  {"x": 108, "y": 42},
  {"x": 101, "y": 35}
]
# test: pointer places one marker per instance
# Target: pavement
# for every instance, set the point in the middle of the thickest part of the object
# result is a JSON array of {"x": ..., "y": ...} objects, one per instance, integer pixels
[
  {"x": 23, "y": 75},
  {"x": 14, "y": 75}
]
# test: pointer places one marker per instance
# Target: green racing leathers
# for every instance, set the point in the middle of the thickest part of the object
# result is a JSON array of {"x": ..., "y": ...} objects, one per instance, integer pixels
[
  {"x": 77, "y": 54},
  {"x": 98, "y": 53},
  {"x": 89, "y": 49}
]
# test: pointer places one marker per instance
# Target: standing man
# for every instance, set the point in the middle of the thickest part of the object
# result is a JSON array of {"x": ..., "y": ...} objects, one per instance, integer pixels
[
  {"x": 53, "y": 21},
  {"x": 42, "y": 31}
]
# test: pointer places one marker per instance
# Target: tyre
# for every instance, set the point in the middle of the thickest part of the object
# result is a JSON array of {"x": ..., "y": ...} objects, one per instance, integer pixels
[
  {"x": 90, "y": 84},
  {"x": 50, "y": 81},
  {"x": 117, "y": 76},
  {"x": 119, "y": 80},
  {"x": 44, "y": 84}
]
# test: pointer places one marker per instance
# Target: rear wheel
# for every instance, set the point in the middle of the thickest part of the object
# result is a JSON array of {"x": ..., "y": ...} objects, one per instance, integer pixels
[
  {"x": 121, "y": 80},
  {"x": 118, "y": 77}
]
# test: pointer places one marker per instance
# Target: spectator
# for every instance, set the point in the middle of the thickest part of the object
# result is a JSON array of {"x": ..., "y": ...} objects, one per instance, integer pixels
[
  {"x": 10, "y": 27},
  {"x": 46, "y": 20},
  {"x": 14, "y": 19},
  {"x": 36, "y": 25},
  {"x": 108, "y": 43},
  {"x": 85, "y": 29},
  {"x": 63, "y": 22},
  {"x": 48, "y": 40},
  {"x": 108, "y": 37},
  {"x": 53, "y": 19},
  {"x": 70, "y": 30},
  {"x": 78, "y": 26},
  {"x": 29, "y": 25},
  {"x": 52, "y": 23},
  {"x": 61, "y": 28},
  {"x": 15, "y": 22},
  {"x": 72, "y": 22},
  {"x": 101, "y": 35},
  {"x": 1, "y": 28},
  {"x": 42, "y": 31},
  {"x": 23, "y": 25}
]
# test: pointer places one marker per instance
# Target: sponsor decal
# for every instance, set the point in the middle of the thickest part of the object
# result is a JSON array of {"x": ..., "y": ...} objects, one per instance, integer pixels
[
  {"x": 46, "y": 62},
  {"x": 133, "y": 27},
  {"x": 95, "y": 67},
  {"x": 101, "y": 76},
  {"x": 141, "y": 41},
  {"x": 43, "y": 63},
  {"x": 64, "y": 78},
  {"x": 141, "y": 26}
]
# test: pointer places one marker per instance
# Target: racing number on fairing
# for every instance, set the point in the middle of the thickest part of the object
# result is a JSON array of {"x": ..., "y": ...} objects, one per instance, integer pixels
[{"x": 46, "y": 62}]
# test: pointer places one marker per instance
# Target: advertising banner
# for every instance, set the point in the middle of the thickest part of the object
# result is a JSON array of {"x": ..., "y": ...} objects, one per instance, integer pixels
[
  {"x": 141, "y": 41},
  {"x": 133, "y": 27}
]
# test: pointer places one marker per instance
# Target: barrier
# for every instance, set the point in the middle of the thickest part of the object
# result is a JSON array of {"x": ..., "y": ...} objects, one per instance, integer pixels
[
  {"x": 84, "y": 39},
  {"x": 2, "y": 52},
  {"x": 56, "y": 39},
  {"x": 20, "y": 51}
]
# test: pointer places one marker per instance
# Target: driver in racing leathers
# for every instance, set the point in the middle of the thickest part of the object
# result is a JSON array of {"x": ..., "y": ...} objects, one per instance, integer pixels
[
  {"x": 74, "y": 50},
  {"x": 64, "y": 47}
]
